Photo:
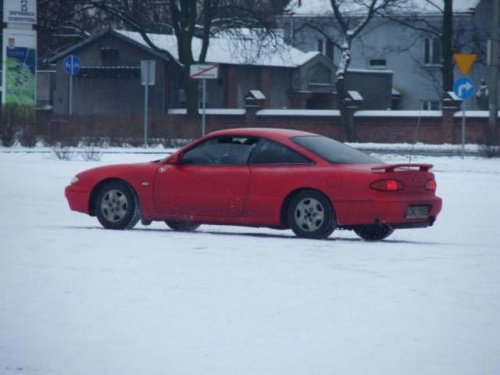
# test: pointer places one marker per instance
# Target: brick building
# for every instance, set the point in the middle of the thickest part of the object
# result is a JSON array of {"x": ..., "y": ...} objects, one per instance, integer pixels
[{"x": 109, "y": 81}]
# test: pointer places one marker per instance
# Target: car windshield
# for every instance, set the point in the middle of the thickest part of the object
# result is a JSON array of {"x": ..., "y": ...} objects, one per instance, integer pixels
[{"x": 333, "y": 151}]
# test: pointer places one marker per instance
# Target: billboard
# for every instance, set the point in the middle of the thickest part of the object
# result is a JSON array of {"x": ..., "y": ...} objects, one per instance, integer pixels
[
  {"x": 19, "y": 11},
  {"x": 19, "y": 73}
]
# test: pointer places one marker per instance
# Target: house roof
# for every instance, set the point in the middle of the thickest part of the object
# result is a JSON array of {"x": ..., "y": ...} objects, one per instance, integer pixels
[
  {"x": 221, "y": 50},
  {"x": 232, "y": 50},
  {"x": 323, "y": 7},
  {"x": 74, "y": 48}
]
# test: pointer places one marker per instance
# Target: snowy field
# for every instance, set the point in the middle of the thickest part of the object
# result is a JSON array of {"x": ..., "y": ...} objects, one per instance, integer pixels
[{"x": 76, "y": 299}]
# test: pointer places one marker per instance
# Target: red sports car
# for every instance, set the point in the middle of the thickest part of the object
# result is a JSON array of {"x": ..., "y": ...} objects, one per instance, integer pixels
[{"x": 262, "y": 178}]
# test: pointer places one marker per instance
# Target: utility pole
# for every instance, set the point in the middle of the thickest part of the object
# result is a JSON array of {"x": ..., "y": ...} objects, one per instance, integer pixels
[{"x": 493, "y": 65}]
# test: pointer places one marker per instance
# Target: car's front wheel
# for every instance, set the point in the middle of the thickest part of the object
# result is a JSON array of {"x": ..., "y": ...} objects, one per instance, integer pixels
[
  {"x": 311, "y": 215},
  {"x": 116, "y": 206},
  {"x": 182, "y": 226},
  {"x": 373, "y": 232}
]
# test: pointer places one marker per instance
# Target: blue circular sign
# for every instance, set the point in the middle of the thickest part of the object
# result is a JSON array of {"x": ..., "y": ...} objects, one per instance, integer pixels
[
  {"x": 72, "y": 65},
  {"x": 464, "y": 88}
]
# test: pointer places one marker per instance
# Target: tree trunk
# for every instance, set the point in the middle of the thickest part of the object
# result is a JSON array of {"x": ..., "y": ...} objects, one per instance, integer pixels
[
  {"x": 447, "y": 46},
  {"x": 191, "y": 91},
  {"x": 341, "y": 90},
  {"x": 341, "y": 95}
]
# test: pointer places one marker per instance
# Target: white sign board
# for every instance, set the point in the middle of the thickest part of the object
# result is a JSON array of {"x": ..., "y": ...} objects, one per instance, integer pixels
[
  {"x": 19, "y": 11},
  {"x": 148, "y": 70},
  {"x": 204, "y": 71}
]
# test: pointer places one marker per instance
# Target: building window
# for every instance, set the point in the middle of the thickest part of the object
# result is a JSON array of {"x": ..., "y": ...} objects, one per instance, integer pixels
[
  {"x": 321, "y": 45},
  {"x": 109, "y": 56},
  {"x": 378, "y": 63},
  {"x": 432, "y": 51},
  {"x": 326, "y": 46},
  {"x": 431, "y": 105}
]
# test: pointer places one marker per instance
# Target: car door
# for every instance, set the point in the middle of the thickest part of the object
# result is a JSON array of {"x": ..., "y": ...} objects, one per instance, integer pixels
[
  {"x": 212, "y": 179},
  {"x": 275, "y": 171}
]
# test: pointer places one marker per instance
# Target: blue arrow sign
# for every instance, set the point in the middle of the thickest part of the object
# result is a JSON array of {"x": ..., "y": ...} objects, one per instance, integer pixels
[
  {"x": 72, "y": 65},
  {"x": 464, "y": 88}
]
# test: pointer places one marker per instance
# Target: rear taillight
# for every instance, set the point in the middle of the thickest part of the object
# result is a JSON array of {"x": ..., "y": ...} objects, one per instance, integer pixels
[
  {"x": 387, "y": 185},
  {"x": 431, "y": 185}
]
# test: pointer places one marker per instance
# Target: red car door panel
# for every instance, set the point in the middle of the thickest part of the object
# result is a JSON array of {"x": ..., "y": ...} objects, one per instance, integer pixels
[{"x": 201, "y": 190}]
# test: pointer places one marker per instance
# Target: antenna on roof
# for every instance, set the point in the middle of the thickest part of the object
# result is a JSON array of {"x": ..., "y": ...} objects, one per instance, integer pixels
[{"x": 417, "y": 128}]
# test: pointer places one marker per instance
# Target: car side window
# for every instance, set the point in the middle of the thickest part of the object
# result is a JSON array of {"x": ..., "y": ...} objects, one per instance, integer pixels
[
  {"x": 269, "y": 152},
  {"x": 220, "y": 151}
]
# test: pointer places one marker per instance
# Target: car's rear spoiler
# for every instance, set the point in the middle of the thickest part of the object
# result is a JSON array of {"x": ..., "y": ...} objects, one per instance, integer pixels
[{"x": 393, "y": 167}]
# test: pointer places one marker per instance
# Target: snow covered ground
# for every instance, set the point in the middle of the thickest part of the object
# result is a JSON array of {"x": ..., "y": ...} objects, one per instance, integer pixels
[{"x": 76, "y": 299}]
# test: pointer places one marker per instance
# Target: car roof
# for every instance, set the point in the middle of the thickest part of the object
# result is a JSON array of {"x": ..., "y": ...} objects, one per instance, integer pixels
[{"x": 262, "y": 132}]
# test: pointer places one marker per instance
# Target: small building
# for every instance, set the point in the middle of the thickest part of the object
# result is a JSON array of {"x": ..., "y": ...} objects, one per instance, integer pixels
[
  {"x": 109, "y": 80},
  {"x": 404, "y": 39}
]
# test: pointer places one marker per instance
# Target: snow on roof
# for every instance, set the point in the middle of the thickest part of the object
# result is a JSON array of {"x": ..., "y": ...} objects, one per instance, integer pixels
[
  {"x": 229, "y": 50},
  {"x": 370, "y": 71},
  {"x": 453, "y": 96},
  {"x": 322, "y": 7},
  {"x": 257, "y": 94},
  {"x": 210, "y": 111},
  {"x": 474, "y": 114},
  {"x": 355, "y": 95},
  {"x": 299, "y": 112},
  {"x": 390, "y": 113}
]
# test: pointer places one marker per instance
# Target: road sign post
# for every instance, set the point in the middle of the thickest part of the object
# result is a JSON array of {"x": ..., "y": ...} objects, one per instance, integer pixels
[
  {"x": 464, "y": 89},
  {"x": 148, "y": 77},
  {"x": 204, "y": 72},
  {"x": 72, "y": 66}
]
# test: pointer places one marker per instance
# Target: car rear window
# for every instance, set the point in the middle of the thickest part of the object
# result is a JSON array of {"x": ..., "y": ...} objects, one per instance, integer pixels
[{"x": 333, "y": 151}]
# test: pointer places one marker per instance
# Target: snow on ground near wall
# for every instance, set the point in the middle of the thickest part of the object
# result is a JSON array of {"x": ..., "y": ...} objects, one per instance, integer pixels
[{"x": 77, "y": 299}]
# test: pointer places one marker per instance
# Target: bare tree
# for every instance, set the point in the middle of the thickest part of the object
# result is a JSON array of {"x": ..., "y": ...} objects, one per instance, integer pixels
[
  {"x": 352, "y": 17},
  {"x": 62, "y": 23},
  {"x": 434, "y": 19},
  {"x": 187, "y": 20}
]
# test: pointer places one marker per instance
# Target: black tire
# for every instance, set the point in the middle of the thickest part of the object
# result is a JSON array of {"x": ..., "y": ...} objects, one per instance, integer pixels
[
  {"x": 310, "y": 215},
  {"x": 116, "y": 206},
  {"x": 373, "y": 232},
  {"x": 182, "y": 226}
]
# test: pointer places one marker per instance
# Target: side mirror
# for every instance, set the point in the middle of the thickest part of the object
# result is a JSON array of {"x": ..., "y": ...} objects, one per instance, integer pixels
[{"x": 176, "y": 158}]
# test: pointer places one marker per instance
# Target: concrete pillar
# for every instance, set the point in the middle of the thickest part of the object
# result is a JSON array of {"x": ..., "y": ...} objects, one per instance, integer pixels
[
  {"x": 351, "y": 108},
  {"x": 451, "y": 105}
]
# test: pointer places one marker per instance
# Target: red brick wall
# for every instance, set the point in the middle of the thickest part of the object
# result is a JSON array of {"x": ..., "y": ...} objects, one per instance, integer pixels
[
  {"x": 397, "y": 129},
  {"x": 322, "y": 125},
  {"x": 368, "y": 129},
  {"x": 475, "y": 130}
]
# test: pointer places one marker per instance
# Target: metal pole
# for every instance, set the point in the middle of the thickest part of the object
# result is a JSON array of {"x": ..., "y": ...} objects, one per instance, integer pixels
[
  {"x": 71, "y": 95},
  {"x": 463, "y": 129},
  {"x": 493, "y": 57},
  {"x": 146, "y": 92},
  {"x": 204, "y": 107}
]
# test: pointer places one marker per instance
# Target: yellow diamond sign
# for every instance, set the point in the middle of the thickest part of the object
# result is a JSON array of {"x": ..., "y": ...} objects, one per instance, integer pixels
[{"x": 464, "y": 61}]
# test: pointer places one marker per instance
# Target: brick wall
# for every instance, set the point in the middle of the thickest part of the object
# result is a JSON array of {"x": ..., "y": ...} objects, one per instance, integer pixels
[
  {"x": 387, "y": 129},
  {"x": 397, "y": 129}
]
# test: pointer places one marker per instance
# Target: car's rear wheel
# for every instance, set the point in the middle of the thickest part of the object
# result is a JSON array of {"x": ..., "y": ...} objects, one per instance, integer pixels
[
  {"x": 375, "y": 232},
  {"x": 310, "y": 215},
  {"x": 116, "y": 206},
  {"x": 182, "y": 226}
]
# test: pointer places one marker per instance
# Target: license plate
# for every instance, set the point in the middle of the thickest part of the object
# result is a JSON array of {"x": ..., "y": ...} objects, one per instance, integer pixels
[{"x": 417, "y": 212}]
